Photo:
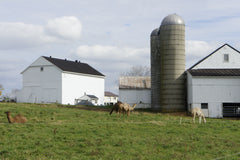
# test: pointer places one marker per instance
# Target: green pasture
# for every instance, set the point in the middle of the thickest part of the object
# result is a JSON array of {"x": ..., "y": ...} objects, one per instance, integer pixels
[{"x": 70, "y": 132}]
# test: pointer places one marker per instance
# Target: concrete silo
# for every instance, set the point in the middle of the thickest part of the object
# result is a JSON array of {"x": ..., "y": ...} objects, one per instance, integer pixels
[
  {"x": 155, "y": 70},
  {"x": 168, "y": 65}
]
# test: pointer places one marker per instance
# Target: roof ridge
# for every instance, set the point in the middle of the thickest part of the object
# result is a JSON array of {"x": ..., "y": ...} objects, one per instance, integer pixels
[{"x": 73, "y": 66}]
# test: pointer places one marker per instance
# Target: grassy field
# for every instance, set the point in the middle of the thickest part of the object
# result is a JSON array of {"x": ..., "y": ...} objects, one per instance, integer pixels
[{"x": 61, "y": 132}]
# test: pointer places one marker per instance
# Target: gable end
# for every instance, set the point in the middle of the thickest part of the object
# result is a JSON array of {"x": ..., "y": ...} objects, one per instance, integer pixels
[{"x": 212, "y": 54}]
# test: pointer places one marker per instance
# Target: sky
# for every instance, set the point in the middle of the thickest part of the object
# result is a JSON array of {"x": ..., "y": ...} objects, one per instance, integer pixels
[{"x": 112, "y": 36}]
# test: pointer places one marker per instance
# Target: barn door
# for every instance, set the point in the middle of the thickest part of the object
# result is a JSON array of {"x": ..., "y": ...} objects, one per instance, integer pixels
[{"x": 231, "y": 109}]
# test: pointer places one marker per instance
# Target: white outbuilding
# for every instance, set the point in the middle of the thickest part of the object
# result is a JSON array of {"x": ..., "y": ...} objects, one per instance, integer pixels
[
  {"x": 135, "y": 89},
  {"x": 52, "y": 80},
  {"x": 110, "y": 98},
  {"x": 213, "y": 83}
]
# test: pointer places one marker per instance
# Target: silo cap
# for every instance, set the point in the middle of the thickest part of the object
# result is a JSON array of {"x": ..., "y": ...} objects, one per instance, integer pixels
[
  {"x": 155, "y": 32},
  {"x": 172, "y": 19}
]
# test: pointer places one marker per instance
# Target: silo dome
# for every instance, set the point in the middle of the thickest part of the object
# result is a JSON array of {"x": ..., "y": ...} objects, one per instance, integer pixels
[
  {"x": 155, "y": 32},
  {"x": 172, "y": 19}
]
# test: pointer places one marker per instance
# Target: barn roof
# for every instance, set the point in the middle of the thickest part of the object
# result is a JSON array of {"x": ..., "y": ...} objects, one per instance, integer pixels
[
  {"x": 110, "y": 94},
  {"x": 214, "y": 72},
  {"x": 132, "y": 82},
  {"x": 73, "y": 66},
  {"x": 92, "y": 96}
]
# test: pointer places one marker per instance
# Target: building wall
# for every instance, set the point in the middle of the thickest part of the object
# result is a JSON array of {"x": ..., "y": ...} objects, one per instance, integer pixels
[
  {"x": 76, "y": 85},
  {"x": 86, "y": 98},
  {"x": 216, "y": 60},
  {"x": 41, "y": 86},
  {"x": 51, "y": 85},
  {"x": 110, "y": 100},
  {"x": 132, "y": 96},
  {"x": 213, "y": 90}
]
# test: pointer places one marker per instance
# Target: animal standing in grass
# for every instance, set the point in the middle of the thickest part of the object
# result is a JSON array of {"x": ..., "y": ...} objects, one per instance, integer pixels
[
  {"x": 127, "y": 108},
  {"x": 17, "y": 119},
  {"x": 198, "y": 112},
  {"x": 117, "y": 107}
]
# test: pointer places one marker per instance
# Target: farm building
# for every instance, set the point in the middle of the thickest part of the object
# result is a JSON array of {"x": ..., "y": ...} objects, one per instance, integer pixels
[
  {"x": 213, "y": 83},
  {"x": 110, "y": 98},
  {"x": 87, "y": 100},
  {"x": 135, "y": 90},
  {"x": 52, "y": 80}
]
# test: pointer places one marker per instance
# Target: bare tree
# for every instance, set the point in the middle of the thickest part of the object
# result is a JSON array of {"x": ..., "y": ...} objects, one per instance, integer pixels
[
  {"x": 138, "y": 71},
  {"x": 1, "y": 88}
]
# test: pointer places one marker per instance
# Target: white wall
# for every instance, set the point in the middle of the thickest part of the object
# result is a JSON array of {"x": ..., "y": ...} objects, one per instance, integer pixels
[
  {"x": 132, "y": 96},
  {"x": 41, "y": 86},
  {"x": 216, "y": 60},
  {"x": 109, "y": 100},
  {"x": 75, "y": 85},
  {"x": 214, "y": 91}
]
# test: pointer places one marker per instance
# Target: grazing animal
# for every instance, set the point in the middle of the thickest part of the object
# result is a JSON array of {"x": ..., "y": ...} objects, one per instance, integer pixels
[
  {"x": 127, "y": 108},
  {"x": 198, "y": 112},
  {"x": 117, "y": 107},
  {"x": 17, "y": 119}
]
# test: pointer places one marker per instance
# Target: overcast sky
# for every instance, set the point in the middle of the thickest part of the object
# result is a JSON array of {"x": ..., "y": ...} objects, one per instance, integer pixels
[{"x": 110, "y": 35}]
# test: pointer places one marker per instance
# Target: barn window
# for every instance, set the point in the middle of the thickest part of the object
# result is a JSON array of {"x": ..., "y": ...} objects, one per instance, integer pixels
[
  {"x": 226, "y": 57},
  {"x": 41, "y": 69},
  {"x": 204, "y": 105}
]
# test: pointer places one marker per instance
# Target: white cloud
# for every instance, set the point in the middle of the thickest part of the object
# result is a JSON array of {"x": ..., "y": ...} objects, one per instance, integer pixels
[
  {"x": 65, "y": 27},
  {"x": 21, "y": 35},
  {"x": 196, "y": 50},
  {"x": 113, "y": 53}
]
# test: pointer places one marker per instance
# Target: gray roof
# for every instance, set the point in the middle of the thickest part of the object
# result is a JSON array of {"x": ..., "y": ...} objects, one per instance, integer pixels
[
  {"x": 73, "y": 66},
  {"x": 173, "y": 19},
  {"x": 134, "y": 82},
  {"x": 214, "y": 72},
  {"x": 110, "y": 94},
  {"x": 92, "y": 96}
]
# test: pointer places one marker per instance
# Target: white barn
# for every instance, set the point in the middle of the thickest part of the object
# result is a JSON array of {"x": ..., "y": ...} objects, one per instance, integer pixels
[
  {"x": 213, "y": 83},
  {"x": 52, "y": 80},
  {"x": 135, "y": 90}
]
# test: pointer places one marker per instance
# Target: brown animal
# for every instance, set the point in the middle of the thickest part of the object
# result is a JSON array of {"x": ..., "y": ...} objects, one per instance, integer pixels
[
  {"x": 198, "y": 112},
  {"x": 117, "y": 107},
  {"x": 17, "y": 119},
  {"x": 127, "y": 108}
]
